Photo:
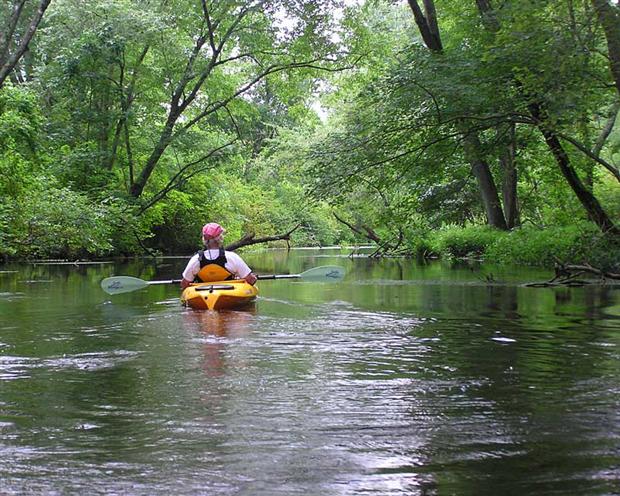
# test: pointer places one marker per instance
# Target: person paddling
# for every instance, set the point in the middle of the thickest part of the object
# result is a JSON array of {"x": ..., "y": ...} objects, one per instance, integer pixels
[{"x": 214, "y": 263}]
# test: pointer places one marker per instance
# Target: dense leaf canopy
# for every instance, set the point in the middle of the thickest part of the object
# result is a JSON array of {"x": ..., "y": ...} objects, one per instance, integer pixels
[{"x": 125, "y": 125}]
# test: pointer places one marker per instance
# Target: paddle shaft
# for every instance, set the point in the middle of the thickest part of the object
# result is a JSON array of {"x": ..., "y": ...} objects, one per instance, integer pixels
[
  {"x": 303, "y": 275},
  {"x": 170, "y": 281},
  {"x": 267, "y": 276},
  {"x": 125, "y": 284},
  {"x": 279, "y": 276}
]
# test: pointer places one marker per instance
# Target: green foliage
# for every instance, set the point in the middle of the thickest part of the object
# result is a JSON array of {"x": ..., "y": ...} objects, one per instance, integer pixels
[
  {"x": 581, "y": 242},
  {"x": 176, "y": 223},
  {"x": 7, "y": 248},
  {"x": 127, "y": 230},
  {"x": 419, "y": 242},
  {"x": 20, "y": 119},
  {"x": 15, "y": 173},
  {"x": 460, "y": 242},
  {"x": 578, "y": 243},
  {"x": 242, "y": 208},
  {"x": 247, "y": 149},
  {"x": 57, "y": 223},
  {"x": 608, "y": 191},
  {"x": 405, "y": 125},
  {"x": 37, "y": 217},
  {"x": 455, "y": 202}
]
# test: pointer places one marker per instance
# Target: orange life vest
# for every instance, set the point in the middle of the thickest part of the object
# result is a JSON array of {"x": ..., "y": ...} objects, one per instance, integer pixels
[{"x": 213, "y": 270}]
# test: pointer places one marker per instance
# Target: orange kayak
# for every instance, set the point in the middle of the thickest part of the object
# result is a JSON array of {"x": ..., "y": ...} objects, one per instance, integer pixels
[{"x": 220, "y": 295}]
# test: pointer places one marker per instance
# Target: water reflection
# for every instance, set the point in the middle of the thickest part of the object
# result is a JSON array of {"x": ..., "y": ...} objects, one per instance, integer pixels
[{"x": 218, "y": 330}]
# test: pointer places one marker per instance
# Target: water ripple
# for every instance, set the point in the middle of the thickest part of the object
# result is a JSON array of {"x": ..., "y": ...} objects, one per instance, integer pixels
[
  {"x": 19, "y": 367},
  {"x": 314, "y": 392}
]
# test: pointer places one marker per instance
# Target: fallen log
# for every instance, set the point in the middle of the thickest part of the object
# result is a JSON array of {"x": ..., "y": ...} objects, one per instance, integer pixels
[
  {"x": 251, "y": 239},
  {"x": 384, "y": 248},
  {"x": 569, "y": 274},
  {"x": 568, "y": 270},
  {"x": 367, "y": 232}
]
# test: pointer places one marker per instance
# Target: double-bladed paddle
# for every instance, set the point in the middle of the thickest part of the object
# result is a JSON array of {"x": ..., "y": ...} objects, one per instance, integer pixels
[{"x": 125, "y": 284}]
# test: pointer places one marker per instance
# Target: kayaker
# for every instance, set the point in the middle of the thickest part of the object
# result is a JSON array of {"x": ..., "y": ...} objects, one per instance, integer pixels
[{"x": 214, "y": 263}]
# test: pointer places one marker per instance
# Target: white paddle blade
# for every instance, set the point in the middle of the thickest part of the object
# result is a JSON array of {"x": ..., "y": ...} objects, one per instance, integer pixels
[
  {"x": 327, "y": 273},
  {"x": 122, "y": 284}
]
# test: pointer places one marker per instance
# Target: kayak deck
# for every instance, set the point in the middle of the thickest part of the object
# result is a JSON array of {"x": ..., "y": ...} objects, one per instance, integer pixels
[{"x": 219, "y": 295}]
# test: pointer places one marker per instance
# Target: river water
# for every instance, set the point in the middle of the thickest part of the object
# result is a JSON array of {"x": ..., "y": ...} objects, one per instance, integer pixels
[{"x": 403, "y": 379}]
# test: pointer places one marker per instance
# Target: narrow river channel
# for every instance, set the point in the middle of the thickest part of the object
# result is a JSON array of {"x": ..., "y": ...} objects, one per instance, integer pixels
[{"x": 403, "y": 379}]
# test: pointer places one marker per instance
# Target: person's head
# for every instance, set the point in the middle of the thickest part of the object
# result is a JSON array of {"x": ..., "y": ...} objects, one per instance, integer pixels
[{"x": 213, "y": 234}]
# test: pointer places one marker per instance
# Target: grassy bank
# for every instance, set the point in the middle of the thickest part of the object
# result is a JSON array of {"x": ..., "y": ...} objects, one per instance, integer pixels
[{"x": 578, "y": 243}]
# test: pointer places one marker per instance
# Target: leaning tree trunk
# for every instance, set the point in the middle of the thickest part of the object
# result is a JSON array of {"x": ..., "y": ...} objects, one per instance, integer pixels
[
  {"x": 139, "y": 184},
  {"x": 427, "y": 24},
  {"x": 587, "y": 199},
  {"x": 11, "y": 53},
  {"x": 486, "y": 184}
]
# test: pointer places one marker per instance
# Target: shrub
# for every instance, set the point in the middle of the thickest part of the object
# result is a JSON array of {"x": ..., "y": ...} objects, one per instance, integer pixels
[
  {"x": 579, "y": 243},
  {"x": 58, "y": 223},
  {"x": 462, "y": 242}
]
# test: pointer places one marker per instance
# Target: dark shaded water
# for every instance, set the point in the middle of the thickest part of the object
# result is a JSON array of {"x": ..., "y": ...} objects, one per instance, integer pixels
[{"x": 400, "y": 380}]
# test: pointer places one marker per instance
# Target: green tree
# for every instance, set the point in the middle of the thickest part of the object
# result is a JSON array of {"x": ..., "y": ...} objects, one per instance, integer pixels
[
  {"x": 475, "y": 98},
  {"x": 195, "y": 70},
  {"x": 533, "y": 90},
  {"x": 427, "y": 24}
]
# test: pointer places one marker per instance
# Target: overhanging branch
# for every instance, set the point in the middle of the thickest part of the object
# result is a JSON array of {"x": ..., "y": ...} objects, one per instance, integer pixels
[
  {"x": 250, "y": 239},
  {"x": 182, "y": 176}
]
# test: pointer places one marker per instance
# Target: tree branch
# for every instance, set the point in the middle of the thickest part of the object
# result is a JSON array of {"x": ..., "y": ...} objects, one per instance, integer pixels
[
  {"x": 6, "y": 36},
  {"x": 607, "y": 128},
  {"x": 590, "y": 154},
  {"x": 214, "y": 107},
  {"x": 180, "y": 177},
  {"x": 427, "y": 24},
  {"x": 567, "y": 274}
]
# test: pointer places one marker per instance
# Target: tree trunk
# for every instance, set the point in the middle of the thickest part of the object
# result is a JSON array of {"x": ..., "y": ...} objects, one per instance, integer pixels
[
  {"x": 507, "y": 157},
  {"x": 427, "y": 24},
  {"x": 489, "y": 19},
  {"x": 509, "y": 183},
  {"x": 138, "y": 185},
  {"x": 103, "y": 105},
  {"x": 429, "y": 29},
  {"x": 9, "y": 60},
  {"x": 607, "y": 128},
  {"x": 486, "y": 184},
  {"x": 609, "y": 17},
  {"x": 126, "y": 97},
  {"x": 587, "y": 199}
]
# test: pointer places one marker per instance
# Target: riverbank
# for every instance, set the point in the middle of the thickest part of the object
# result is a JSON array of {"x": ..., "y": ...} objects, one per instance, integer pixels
[
  {"x": 580, "y": 243},
  {"x": 533, "y": 246}
]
